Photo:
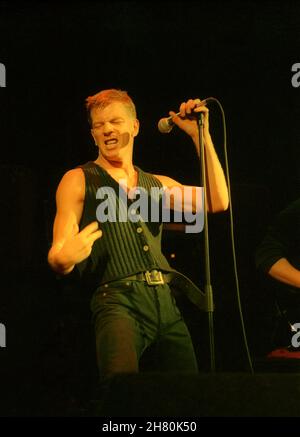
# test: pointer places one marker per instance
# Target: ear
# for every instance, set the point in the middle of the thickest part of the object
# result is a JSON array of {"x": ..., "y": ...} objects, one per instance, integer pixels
[
  {"x": 136, "y": 127},
  {"x": 92, "y": 133}
]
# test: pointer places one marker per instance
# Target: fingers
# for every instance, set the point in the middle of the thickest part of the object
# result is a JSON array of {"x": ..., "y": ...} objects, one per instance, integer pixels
[
  {"x": 93, "y": 237},
  {"x": 89, "y": 229},
  {"x": 91, "y": 232},
  {"x": 192, "y": 105},
  {"x": 174, "y": 116}
]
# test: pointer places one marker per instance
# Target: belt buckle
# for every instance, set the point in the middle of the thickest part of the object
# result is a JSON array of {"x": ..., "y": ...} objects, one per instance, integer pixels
[{"x": 154, "y": 277}]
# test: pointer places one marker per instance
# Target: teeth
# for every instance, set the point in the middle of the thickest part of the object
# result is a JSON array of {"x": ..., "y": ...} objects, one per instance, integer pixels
[{"x": 110, "y": 142}]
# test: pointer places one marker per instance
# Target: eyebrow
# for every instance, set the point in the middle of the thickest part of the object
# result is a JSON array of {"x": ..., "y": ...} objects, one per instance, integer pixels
[{"x": 112, "y": 119}]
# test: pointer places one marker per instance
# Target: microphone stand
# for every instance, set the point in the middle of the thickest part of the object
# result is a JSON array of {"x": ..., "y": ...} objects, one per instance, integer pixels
[{"x": 208, "y": 298}]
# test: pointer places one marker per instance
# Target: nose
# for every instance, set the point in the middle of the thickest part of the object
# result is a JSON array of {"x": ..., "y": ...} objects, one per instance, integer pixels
[{"x": 107, "y": 128}]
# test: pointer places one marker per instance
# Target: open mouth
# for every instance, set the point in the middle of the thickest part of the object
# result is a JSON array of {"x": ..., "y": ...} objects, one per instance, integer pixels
[{"x": 111, "y": 143}]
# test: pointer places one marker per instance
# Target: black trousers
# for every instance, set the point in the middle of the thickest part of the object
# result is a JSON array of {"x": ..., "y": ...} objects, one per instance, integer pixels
[{"x": 131, "y": 317}]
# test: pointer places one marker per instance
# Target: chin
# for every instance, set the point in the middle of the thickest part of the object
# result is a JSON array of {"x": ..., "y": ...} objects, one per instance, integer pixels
[
  {"x": 113, "y": 156},
  {"x": 109, "y": 152}
]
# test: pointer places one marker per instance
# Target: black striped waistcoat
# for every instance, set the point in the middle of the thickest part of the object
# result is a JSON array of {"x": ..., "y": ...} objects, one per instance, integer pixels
[{"x": 126, "y": 247}]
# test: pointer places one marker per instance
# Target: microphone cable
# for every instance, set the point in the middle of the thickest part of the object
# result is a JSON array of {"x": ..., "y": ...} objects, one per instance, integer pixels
[{"x": 232, "y": 233}]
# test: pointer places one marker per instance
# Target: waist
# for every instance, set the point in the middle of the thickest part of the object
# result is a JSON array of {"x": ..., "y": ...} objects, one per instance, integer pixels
[{"x": 151, "y": 277}]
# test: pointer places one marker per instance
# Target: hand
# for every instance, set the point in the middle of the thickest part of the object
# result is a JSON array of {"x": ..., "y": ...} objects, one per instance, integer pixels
[
  {"x": 77, "y": 246},
  {"x": 187, "y": 122}
]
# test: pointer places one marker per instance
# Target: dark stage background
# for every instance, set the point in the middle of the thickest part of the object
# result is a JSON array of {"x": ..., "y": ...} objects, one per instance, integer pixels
[{"x": 55, "y": 56}]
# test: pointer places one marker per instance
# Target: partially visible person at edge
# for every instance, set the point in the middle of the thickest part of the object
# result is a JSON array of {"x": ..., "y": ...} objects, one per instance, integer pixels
[
  {"x": 133, "y": 306},
  {"x": 278, "y": 258}
]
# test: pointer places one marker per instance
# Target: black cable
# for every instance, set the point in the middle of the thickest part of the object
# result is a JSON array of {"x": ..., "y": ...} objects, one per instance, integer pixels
[{"x": 232, "y": 233}]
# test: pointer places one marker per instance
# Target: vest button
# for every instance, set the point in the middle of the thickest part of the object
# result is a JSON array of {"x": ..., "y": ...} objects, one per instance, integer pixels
[
  {"x": 139, "y": 230},
  {"x": 146, "y": 248}
]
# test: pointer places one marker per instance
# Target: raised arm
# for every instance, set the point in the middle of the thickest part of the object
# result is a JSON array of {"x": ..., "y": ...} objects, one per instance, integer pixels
[
  {"x": 217, "y": 192},
  {"x": 69, "y": 246}
]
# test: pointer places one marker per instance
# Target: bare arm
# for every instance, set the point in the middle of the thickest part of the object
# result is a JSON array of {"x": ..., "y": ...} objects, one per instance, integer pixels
[
  {"x": 182, "y": 197},
  {"x": 278, "y": 253},
  {"x": 283, "y": 271},
  {"x": 69, "y": 246}
]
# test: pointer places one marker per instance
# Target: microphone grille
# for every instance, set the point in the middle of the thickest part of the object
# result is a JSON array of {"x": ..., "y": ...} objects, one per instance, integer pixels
[{"x": 164, "y": 125}]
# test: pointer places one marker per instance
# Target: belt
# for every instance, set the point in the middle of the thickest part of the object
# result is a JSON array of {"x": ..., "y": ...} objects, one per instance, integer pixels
[
  {"x": 152, "y": 277},
  {"x": 181, "y": 283}
]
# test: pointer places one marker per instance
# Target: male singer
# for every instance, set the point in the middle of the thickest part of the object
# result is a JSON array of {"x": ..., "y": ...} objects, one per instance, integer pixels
[{"x": 133, "y": 305}]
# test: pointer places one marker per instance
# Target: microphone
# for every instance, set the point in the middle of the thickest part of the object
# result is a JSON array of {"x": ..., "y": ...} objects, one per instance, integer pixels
[{"x": 166, "y": 124}]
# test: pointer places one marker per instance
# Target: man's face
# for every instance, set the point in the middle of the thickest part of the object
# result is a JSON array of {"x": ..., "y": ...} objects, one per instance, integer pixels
[{"x": 114, "y": 129}]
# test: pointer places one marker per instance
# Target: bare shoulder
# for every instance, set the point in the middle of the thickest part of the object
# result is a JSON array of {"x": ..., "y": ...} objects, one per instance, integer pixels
[
  {"x": 167, "y": 181},
  {"x": 72, "y": 184},
  {"x": 73, "y": 176}
]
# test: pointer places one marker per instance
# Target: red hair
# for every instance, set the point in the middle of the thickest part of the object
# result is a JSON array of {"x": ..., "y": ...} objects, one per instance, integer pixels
[{"x": 106, "y": 97}]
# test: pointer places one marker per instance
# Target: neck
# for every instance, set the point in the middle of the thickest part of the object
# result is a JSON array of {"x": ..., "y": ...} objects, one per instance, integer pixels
[{"x": 125, "y": 164}]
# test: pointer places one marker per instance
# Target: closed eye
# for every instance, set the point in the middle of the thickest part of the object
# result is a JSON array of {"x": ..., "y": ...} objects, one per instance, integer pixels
[{"x": 98, "y": 125}]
